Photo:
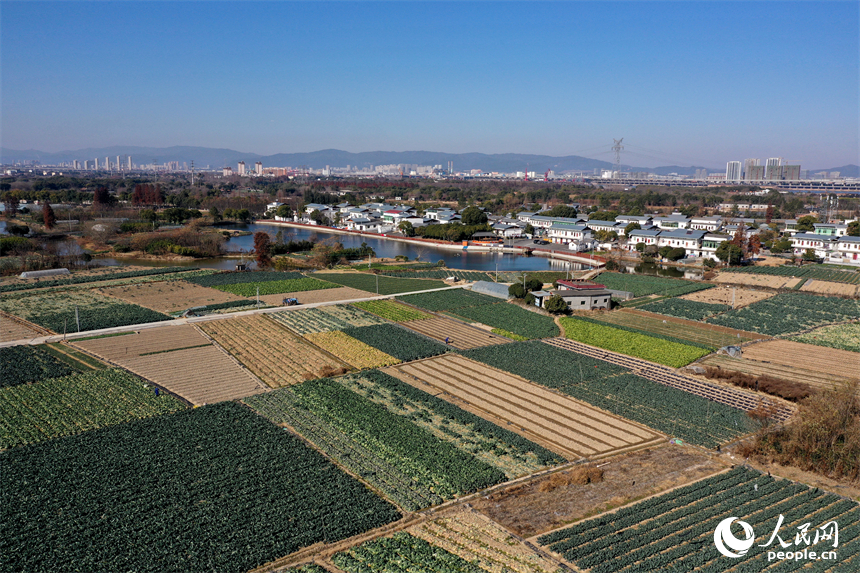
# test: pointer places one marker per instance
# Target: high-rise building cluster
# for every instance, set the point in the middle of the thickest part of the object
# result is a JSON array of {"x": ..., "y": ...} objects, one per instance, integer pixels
[{"x": 774, "y": 169}]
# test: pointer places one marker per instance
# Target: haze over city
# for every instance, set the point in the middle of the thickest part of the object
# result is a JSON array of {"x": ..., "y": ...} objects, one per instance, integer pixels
[{"x": 685, "y": 83}]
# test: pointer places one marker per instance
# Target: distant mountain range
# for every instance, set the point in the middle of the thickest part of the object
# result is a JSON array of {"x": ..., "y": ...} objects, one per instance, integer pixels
[{"x": 217, "y": 158}]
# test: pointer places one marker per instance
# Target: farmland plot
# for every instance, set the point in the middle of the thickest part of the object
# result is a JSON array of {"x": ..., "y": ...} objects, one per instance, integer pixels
[
  {"x": 325, "y": 318},
  {"x": 728, "y": 295},
  {"x": 768, "y": 281},
  {"x": 434, "y": 469},
  {"x": 315, "y": 296},
  {"x": 673, "y": 354},
  {"x": 169, "y": 296},
  {"x": 209, "y": 489},
  {"x": 819, "y": 272},
  {"x": 397, "y": 341},
  {"x": 612, "y": 388},
  {"x": 511, "y": 318},
  {"x": 459, "y": 335},
  {"x": 477, "y": 539},
  {"x": 269, "y": 350},
  {"x": 401, "y": 552},
  {"x": 448, "y": 300},
  {"x": 17, "y": 329},
  {"x": 26, "y": 364},
  {"x": 350, "y": 350},
  {"x": 488, "y": 442},
  {"x": 841, "y": 336},
  {"x": 711, "y": 336},
  {"x": 56, "y": 310},
  {"x": 561, "y": 424},
  {"x": 387, "y": 285},
  {"x": 789, "y": 312},
  {"x": 643, "y": 285},
  {"x": 238, "y": 278},
  {"x": 249, "y": 289},
  {"x": 838, "y": 363},
  {"x": 54, "y": 407},
  {"x": 391, "y": 310},
  {"x": 682, "y": 308},
  {"x": 180, "y": 359},
  {"x": 830, "y": 288},
  {"x": 675, "y": 531}
]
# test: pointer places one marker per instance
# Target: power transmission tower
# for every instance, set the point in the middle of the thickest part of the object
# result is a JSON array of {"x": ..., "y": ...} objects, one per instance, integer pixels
[{"x": 617, "y": 149}]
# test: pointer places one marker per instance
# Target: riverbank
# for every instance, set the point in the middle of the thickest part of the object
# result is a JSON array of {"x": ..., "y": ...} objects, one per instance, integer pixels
[{"x": 448, "y": 245}]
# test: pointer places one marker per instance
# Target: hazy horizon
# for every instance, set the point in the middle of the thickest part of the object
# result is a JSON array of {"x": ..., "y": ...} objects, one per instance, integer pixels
[{"x": 684, "y": 83}]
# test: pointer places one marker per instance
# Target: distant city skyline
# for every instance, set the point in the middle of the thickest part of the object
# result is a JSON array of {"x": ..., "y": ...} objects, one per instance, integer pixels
[{"x": 685, "y": 83}]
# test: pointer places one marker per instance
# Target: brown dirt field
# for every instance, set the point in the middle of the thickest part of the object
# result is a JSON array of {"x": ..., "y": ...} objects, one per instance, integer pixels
[
  {"x": 756, "y": 368},
  {"x": 838, "y": 486},
  {"x": 314, "y": 296},
  {"x": 825, "y": 287},
  {"x": 528, "y": 511},
  {"x": 270, "y": 350},
  {"x": 476, "y": 538},
  {"x": 830, "y": 361},
  {"x": 560, "y": 423},
  {"x": 769, "y": 261},
  {"x": 17, "y": 329},
  {"x": 461, "y": 336},
  {"x": 169, "y": 296},
  {"x": 723, "y": 295},
  {"x": 766, "y": 281},
  {"x": 201, "y": 375}
]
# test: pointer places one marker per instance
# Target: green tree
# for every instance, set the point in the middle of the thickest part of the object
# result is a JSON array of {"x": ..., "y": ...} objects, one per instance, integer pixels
[
  {"x": 631, "y": 227},
  {"x": 664, "y": 251},
  {"x": 640, "y": 247},
  {"x": 809, "y": 255},
  {"x": 284, "y": 211},
  {"x": 729, "y": 253},
  {"x": 406, "y": 228},
  {"x": 561, "y": 211},
  {"x": 806, "y": 224},
  {"x": 215, "y": 214},
  {"x": 780, "y": 246},
  {"x": 555, "y": 305},
  {"x": 516, "y": 290},
  {"x": 676, "y": 254},
  {"x": 529, "y": 230},
  {"x": 473, "y": 216},
  {"x": 533, "y": 284},
  {"x": 853, "y": 229},
  {"x": 243, "y": 215}
]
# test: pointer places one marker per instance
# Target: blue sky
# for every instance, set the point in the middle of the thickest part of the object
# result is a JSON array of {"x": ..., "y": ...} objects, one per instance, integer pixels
[{"x": 700, "y": 82}]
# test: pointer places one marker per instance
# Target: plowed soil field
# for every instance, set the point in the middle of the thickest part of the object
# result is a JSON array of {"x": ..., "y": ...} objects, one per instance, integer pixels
[
  {"x": 814, "y": 378},
  {"x": 11, "y": 329},
  {"x": 169, "y": 296},
  {"x": 272, "y": 352},
  {"x": 826, "y": 287},
  {"x": 769, "y": 281},
  {"x": 726, "y": 294},
  {"x": 559, "y": 423},
  {"x": 838, "y": 363},
  {"x": 180, "y": 359},
  {"x": 314, "y": 296},
  {"x": 459, "y": 335},
  {"x": 477, "y": 539}
]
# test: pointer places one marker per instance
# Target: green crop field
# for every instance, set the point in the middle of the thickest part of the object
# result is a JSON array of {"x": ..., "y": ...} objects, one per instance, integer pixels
[
  {"x": 325, "y": 318},
  {"x": 26, "y": 364},
  {"x": 406, "y": 453},
  {"x": 675, "y": 354},
  {"x": 841, "y": 336},
  {"x": 391, "y": 310},
  {"x": 250, "y": 289},
  {"x": 216, "y": 488},
  {"x": 387, "y": 285},
  {"x": 643, "y": 285},
  {"x": 690, "y": 333},
  {"x": 106, "y": 275},
  {"x": 789, "y": 312},
  {"x": 396, "y": 341},
  {"x": 676, "y": 531},
  {"x": 448, "y": 299},
  {"x": 614, "y": 389},
  {"x": 238, "y": 278},
  {"x": 402, "y": 552},
  {"x": 76, "y": 403},
  {"x": 61, "y": 311},
  {"x": 511, "y": 318},
  {"x": 441, "y": 274},
  {"x": 683, "y": 308}
]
